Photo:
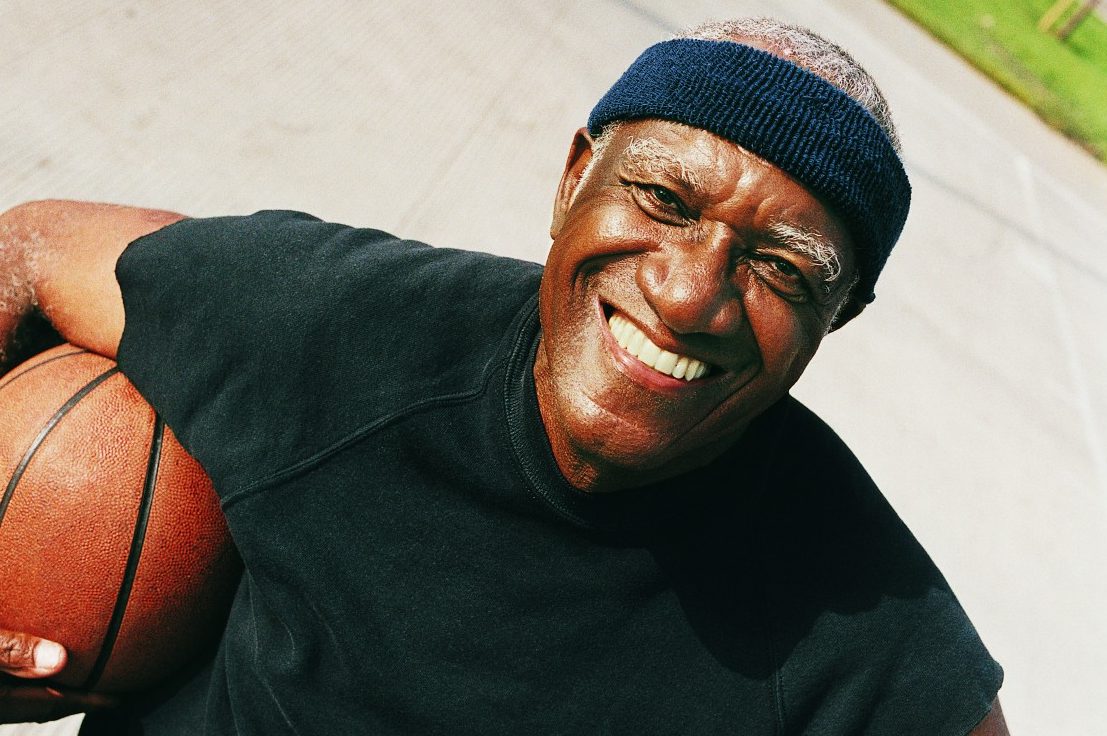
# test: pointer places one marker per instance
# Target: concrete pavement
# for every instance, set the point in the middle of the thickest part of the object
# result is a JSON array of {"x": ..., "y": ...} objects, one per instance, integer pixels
[{"x": 973, "y": 389}]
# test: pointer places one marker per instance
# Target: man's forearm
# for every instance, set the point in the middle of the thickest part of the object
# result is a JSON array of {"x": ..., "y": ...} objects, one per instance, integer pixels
[
  {"x": 17, "y": 295},
  {"x": 58, "y": 261}
]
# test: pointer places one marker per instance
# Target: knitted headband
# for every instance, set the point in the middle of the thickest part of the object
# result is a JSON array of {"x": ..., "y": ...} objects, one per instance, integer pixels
[{"x": 785, "y": 114}]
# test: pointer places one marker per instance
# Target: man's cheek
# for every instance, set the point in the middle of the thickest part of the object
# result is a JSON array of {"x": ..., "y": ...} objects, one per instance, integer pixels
[
  {"x": 603, "y": 232},
  {"x": 786, "y": 343}
]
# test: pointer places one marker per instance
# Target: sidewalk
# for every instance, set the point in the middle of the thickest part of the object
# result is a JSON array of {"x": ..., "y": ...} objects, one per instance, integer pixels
[{"x": 973, "y": 389}]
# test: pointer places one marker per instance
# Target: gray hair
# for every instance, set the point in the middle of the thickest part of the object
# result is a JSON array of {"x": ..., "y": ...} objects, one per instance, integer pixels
[
  {"x": 809, "y": 50},
  {"x": 802, "y": 47}
]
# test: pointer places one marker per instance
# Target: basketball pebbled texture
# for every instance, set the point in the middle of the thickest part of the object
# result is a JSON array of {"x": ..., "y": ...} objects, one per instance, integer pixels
[{"x": 112, "y": 539}]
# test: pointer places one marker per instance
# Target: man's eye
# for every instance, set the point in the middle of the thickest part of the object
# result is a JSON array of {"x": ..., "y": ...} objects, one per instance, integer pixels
[
  {"x": 781, "y": 274},
  {"x": 787, "y": 268},
  {"x": 665, "y": 197},
  {"x": 660, "y": 203}
]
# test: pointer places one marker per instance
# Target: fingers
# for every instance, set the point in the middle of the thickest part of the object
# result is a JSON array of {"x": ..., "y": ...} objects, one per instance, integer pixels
[
  {"x": 20, "y": 703},
  {"x": 24, "y": 655}
]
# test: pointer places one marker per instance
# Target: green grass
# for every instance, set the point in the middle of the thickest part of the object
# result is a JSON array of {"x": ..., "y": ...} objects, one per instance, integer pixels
[{"x": 1065, "y": 82}]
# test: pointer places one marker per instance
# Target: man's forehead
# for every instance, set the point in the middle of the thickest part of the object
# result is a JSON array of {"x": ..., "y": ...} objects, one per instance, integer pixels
[
  {"x": 698, "y": 159},
  {"x": 679, "y": 150},
  {"x": 704, "y": 161}
]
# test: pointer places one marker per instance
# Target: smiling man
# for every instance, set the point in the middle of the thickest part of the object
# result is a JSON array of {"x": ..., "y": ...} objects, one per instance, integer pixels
[
  {"x": 689, "y": 283},
  {"x": 476, "y": 496}
]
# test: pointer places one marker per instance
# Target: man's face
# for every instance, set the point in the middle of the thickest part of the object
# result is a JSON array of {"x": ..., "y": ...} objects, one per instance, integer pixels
[{"x": 679, "y": 249}]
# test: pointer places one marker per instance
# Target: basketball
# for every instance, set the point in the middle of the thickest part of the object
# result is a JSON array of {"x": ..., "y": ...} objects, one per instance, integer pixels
[{"x": 112, "y": 538}]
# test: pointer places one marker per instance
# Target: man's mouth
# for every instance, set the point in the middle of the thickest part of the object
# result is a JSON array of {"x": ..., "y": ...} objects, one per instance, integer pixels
[{"x": 635, "y": 343}]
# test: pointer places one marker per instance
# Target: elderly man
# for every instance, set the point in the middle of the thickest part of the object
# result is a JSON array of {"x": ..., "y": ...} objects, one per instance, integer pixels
[{"x": 473, "y": 495}]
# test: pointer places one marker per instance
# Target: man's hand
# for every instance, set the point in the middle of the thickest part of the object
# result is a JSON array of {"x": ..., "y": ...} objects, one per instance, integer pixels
[{"x": 25, "y": 659}]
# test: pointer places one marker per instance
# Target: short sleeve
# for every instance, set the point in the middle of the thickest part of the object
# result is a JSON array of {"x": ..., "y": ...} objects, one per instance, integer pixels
[
  {"x": 871, "y": 638},
  {"x": 267, "y": 341}
]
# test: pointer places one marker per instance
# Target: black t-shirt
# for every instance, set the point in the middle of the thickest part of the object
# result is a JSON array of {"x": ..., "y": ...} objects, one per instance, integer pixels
[{"x": 416, "y": 564}]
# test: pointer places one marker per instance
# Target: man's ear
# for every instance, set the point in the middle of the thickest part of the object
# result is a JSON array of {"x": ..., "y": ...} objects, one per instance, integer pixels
[
  {"x": 849, "y": 310},
  {"x": 580, "y": 153}
]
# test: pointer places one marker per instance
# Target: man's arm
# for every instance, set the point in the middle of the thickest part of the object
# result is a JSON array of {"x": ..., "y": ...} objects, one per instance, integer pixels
[
  {"x": 993, "y": 723},
  {"x": 57, "y": 260}
]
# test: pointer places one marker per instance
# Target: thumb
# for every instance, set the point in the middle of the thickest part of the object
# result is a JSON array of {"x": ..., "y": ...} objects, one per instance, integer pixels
[{"x": 24, "y": 655}]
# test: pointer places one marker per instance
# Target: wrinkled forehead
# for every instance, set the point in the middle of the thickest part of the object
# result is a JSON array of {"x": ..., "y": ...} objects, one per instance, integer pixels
[
  {"x": 698, "y": 158},
  {"x": 712, "y": 169},
  {"x": 710, "y": 166}
]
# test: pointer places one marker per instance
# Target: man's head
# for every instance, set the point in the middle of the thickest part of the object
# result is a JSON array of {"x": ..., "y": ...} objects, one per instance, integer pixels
[
  {"x": 706, "y": 238},
  {"x": 811, "y": 51}
]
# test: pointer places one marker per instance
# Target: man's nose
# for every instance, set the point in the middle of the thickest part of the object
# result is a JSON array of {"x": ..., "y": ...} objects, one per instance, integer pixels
[{"x": 690, "y": 285}]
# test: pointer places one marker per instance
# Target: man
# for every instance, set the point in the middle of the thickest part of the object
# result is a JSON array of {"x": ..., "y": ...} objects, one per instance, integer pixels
[{"x": 476, "y": 496}]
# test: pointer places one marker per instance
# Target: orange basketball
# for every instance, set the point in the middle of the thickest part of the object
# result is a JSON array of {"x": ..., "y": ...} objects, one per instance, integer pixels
[{"x": 112, "y": 539}]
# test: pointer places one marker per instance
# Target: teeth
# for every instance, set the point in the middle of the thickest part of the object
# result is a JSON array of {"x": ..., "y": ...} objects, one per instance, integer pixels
[
  {"x": 617, "y": 330},
  {"x": 649, "y": 353},
  {"x": 635, "y": 342},
  {"x": 666, "y": 363}
]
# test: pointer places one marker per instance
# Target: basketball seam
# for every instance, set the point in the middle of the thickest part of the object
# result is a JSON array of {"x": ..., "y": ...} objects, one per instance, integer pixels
[
  {"x": 44, "y": 432},
  {"x": 12, "y": 377},
  {"x": 138, "y": 540}
]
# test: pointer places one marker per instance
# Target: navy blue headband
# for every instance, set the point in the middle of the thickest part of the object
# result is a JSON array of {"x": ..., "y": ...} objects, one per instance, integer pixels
[{"x": 785, "y": 114}]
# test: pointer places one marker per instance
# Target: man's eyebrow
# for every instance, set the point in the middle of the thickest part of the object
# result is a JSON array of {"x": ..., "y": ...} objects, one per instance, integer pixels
[
  {"x": 811, "y": 244},
  {"x": 651, "y": 156}
]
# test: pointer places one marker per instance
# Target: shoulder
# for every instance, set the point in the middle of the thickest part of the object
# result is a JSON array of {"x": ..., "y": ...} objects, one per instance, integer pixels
[
  {"x": 281, "y": 284},
  {"x": 270, "y": 338},
  {"x": 301, "y": 249},
  {"x": 856, "y": 606},
  {"x": 818, "y": 498}
]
